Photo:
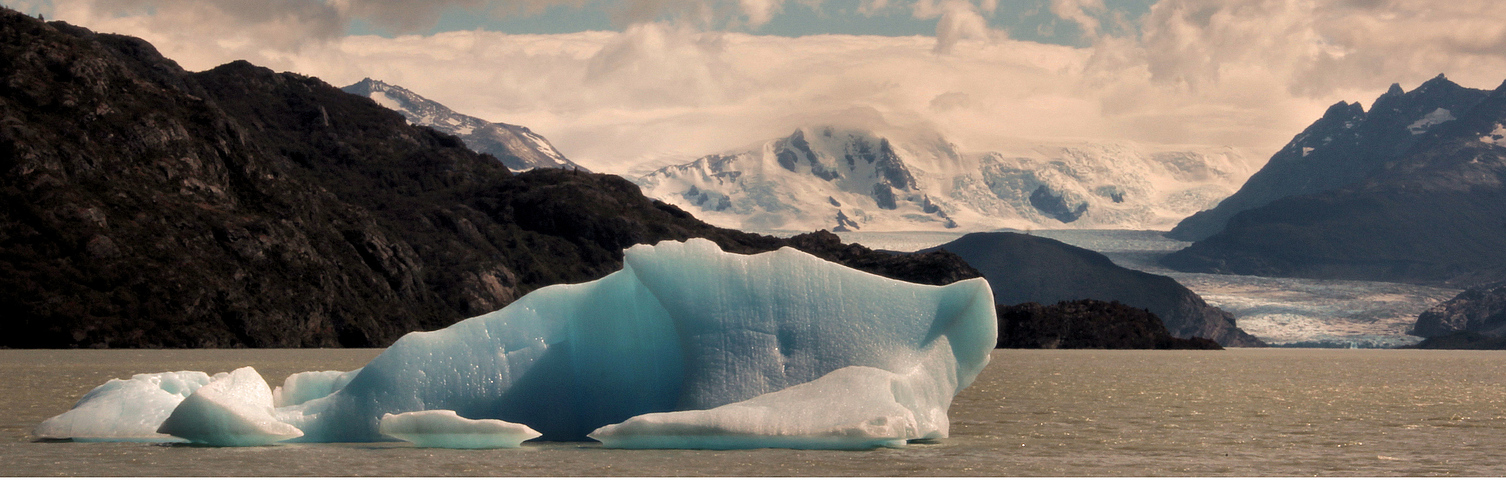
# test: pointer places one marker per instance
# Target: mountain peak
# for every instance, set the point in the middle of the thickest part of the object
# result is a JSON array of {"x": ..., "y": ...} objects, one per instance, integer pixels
[
  {"x": 518, "y": 147},
  {"x": 1343, "y": 110},
  {"x": 1437, "y": 82},
  {"x": 1395, "y": 90}
]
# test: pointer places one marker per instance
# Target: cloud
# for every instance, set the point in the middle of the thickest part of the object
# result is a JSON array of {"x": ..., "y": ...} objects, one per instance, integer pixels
[
  {"x": 1318, "y": 48},
  {"x": 678, "y": 80},
  {"x": 957, "y": 20},
  {"x": 1082, "y": 12}
]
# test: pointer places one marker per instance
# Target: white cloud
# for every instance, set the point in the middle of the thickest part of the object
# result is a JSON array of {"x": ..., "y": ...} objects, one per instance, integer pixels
[
  {"x": 1082, "y": 12},
  {"x": 957, "y": 20},
  {"x": 1246, "y": 73}
]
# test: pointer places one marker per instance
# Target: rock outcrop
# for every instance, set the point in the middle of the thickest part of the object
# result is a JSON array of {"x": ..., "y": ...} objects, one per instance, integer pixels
[
  {"x": 1023, "y": 268},
  {"x": 1481, "y": 311},
  {"x": 1087, "y": 324}
]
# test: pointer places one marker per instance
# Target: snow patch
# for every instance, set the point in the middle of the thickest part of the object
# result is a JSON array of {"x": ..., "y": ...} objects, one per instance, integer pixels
[
  {"x": 1436, "y": 117},
  {"x": 388, "y": 102},
  {"x": 1496, "y": 137}
]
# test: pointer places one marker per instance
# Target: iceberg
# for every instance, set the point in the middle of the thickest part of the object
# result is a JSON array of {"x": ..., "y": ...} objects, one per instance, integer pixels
[
  {"x": 232, "y": 410},
  {"x": 125, "y": 410},
  {"x": 684, "y": 327},
  {"x": 445, "y": 429},
  {"x": 685, "y": 347}
]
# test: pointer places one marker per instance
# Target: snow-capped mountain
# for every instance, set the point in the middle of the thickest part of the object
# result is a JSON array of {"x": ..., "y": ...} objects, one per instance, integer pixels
[
  {"x": 518, "y": 148},
  {"x": 848, "y": 179},
  {"x": 1347, "y": 145}
]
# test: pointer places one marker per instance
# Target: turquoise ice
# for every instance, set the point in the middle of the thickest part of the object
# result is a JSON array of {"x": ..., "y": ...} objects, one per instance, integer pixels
[{"x": 683, "y": 326}]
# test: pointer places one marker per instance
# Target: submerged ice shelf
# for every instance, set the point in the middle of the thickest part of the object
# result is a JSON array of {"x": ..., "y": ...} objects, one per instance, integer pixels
[{"x": 687, "y": 346}]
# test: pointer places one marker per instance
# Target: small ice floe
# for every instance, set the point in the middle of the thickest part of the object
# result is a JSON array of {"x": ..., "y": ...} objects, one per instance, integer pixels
[
  {"x": 445, "y": 429},
  {"x": 125, "y": 410},
  {"x": 233, "y": 410}
]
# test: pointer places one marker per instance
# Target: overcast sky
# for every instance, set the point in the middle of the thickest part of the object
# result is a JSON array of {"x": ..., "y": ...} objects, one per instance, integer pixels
[{"x": 618, "y": 84}]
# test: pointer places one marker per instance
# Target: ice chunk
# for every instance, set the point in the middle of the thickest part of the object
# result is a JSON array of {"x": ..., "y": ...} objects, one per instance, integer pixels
[
  {"x": 445, "y": 429},
  {"x": 234, "y": 409},
  {"x": 124, "y": 410},
  {"x": 855, "y": 407},
  {"x": 683, "y": 326},
  {"x": 302, "y": 387}
]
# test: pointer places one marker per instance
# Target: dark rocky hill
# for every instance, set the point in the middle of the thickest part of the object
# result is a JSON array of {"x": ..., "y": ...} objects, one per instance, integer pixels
[
  {"x": 1087, "y": 324},
  {"x": 1347, "y": 145},
  {"x": 147, "y": 206},
  {"x": 1434, "y": 215},
  {"x": 1480, "y": 310},
  {"x": 1463, "y": 340},
  {"x": 1022, "y": 268}
]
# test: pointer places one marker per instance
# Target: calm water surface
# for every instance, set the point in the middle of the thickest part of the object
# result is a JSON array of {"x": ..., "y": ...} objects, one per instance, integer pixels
[{"x": 1241, "y": 412}]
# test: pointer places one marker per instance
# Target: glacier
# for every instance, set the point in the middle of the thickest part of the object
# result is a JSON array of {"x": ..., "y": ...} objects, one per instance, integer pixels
[
  {"x": 445, "y": 429},
  {"x": 780, "y": 349},
  {"x": 877, "y": 177}
]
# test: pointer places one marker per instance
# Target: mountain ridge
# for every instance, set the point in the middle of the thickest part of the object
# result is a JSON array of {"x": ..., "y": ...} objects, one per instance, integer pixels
[
  {"x": 518, "y": 147},
  {"x": 1347, "y": 145},
  {"x": 1432, "y": 215},
  {"x": 147, "y": 206}
]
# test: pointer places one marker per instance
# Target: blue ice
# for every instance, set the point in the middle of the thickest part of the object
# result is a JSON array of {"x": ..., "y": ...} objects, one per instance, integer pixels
[{"x": 683, "y": 326}]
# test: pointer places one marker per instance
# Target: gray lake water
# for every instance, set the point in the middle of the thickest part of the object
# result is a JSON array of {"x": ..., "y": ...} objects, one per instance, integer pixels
[{"x": 1240, "y": 412}]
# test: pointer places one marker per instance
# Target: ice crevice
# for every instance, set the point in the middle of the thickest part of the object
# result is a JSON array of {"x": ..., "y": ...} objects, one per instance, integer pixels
[{"x": 686, "y": 347}]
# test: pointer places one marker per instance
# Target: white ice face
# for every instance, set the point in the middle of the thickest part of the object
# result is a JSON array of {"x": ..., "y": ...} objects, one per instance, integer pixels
[
  {"x": 232, "y": 410},
  {"x": 124, "y": 410},
  {"x": 445, "y": 429}
]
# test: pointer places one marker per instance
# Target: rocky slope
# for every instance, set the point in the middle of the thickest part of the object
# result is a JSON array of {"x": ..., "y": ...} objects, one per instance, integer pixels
[
  {"x": 147, "y": 206},
  {"x": 518, "y": 147},
  {"x": 874, "y": 178},
  {"x": 1022, "y": 268},
  {"x": 1087, "y": 324},
  {"x": 1480, "y": 310},
  {"x": 1434, "y": 215},
  {"x": 1345, "y": 146}
]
